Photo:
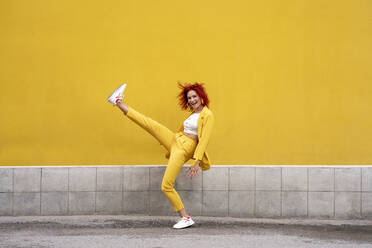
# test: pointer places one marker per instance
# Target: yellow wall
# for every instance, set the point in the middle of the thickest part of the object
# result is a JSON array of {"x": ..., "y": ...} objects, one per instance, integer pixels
[{"x": 290, "y": 81}]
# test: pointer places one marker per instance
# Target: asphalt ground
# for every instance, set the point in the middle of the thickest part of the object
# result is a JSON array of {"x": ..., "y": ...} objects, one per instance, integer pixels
[{"x": 156, "y": 231}]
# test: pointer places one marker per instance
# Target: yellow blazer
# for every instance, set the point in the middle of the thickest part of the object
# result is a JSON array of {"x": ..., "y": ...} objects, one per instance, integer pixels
[{"x": 205, "y": 126}]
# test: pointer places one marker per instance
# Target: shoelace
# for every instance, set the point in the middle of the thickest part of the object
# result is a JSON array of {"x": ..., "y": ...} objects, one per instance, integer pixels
[{"x": 184, "y": 219}]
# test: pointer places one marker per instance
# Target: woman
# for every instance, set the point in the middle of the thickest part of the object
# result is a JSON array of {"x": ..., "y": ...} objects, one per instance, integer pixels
[{"x": 189, "y": 142}]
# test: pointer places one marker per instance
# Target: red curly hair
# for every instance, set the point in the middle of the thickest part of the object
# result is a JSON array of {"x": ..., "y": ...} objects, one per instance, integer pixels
[{"x": 198, "y": 88}]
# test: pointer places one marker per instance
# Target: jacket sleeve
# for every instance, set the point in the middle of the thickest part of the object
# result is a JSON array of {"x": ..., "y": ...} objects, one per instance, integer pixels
[{"x": 207, "y": 127}]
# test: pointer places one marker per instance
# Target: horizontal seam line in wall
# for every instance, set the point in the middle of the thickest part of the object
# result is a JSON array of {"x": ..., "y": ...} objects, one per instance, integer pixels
[
  {"x": 189, "y": 190},
  {"x": 186, "y": 165},
  {"x": 268, "y": 190},
  {"x": 55, "y": 191},
  {"x": 345, "y": 191},
  {"x": 25, "y": 192},
  {"x": 335, "y": 191},
  {"x": 325, "y": 191},
  {"x": 109, "y": 190},
  {"x": 73, "y": 191},
  {"x": 214, "y": 190},
  {"x": 247, "y": 190},
  {"x": 295, "y": 190}
]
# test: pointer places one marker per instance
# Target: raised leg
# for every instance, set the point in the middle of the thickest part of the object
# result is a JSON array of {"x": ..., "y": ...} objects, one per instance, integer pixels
[{"x": 160, "y": 132}]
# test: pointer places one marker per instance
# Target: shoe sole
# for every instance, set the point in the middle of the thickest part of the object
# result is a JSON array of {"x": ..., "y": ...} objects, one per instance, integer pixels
[{"x": 185, "y": 226}]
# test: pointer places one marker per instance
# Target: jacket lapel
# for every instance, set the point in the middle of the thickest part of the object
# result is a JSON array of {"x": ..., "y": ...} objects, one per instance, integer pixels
[{"x": 200, "y": 120}]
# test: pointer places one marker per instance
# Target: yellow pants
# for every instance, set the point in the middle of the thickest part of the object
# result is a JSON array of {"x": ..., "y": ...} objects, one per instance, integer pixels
[{"x": 181, "y": 149}]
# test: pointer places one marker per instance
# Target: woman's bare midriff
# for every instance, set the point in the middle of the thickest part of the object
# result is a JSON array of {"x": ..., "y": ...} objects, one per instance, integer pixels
[{"x": 192, "y": 136}]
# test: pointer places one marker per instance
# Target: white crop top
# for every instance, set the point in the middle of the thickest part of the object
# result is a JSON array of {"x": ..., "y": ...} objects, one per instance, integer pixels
[{"x": 190, "y": 125}]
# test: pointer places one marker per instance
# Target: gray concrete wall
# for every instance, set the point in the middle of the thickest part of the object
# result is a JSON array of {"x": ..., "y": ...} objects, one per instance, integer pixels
[{"x": 340, "y": 192}]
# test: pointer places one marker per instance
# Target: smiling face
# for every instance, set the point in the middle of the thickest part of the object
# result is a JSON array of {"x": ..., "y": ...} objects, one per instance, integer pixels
[{"x": 194, "y": 101}]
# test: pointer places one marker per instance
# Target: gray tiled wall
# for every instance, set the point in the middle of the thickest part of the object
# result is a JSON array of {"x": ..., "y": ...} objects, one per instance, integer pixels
[{"x": 341, "y": 192}]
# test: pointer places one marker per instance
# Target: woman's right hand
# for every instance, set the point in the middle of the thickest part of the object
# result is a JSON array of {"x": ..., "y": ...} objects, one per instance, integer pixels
[{"x": 193, "y": 170}]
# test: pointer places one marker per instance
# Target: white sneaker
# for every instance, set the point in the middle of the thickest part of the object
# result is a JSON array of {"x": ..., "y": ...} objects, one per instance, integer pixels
[
  {"x": 117, "y": 94},
  {"x": 184, "y": 222}
]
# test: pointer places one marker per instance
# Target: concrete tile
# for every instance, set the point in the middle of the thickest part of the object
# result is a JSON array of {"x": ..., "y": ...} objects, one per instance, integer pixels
[
  {"x": 216, "y": 179},
  {"x": 347, "y": 205},
  {"x": 242, "y": 178},
  {"x": 26, "y": 203},
  {"x": 268, "y": 178},
  {"x": 6, "y": 203},
  {"x": 294, "y": 204},
  {"x": 367, "y": 205},
  {"x": 215, "y": 203},
  {"x": 241, "y": 203},
  {"x": 136, "y": 178},
  {"x": 27, "y": 179},
  {"x": 192, "y": 200},
  {"x": 156, "y": 177},
  {"x": 54, "y": 203},
  {"x": 268, "y": 204},
  {"x": 183, "y": 182},
  {"x": 348, "y": 179},
  {"x": 110, "y": 179},
  {"x": 321, "y": 204},
  {"x": 82, "y": 179},
  {"x": 6, "y": 180},
  {"x": 294, "y": 179},
  {"x": 54, "y": 179},
  {"x": 136, "y": 202},
  {"x": 109, "y": 202},
  {"x": 82, "y": 202},
  {"x": 367, "y": 179},
  {"x": 159, "y": 204},
  {"x": 321, "y": 179}
]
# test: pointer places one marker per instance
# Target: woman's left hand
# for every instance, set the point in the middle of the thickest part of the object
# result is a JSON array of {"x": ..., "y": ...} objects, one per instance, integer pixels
[{"x": 194, "y": 170}]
